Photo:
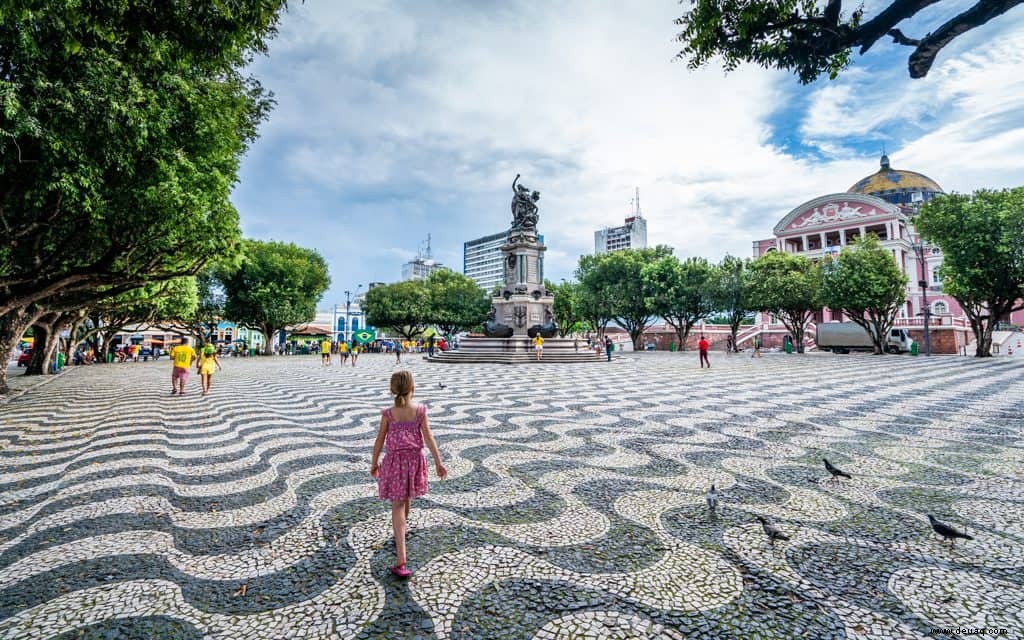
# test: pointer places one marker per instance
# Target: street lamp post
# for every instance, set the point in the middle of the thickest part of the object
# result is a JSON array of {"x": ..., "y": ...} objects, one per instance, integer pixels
[
  {"x": 926, "y": 311},
  {"x": 348, "y": 311}
]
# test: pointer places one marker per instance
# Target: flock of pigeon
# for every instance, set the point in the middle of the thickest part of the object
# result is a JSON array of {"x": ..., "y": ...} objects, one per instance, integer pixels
[{"x": 774, "y": 533}]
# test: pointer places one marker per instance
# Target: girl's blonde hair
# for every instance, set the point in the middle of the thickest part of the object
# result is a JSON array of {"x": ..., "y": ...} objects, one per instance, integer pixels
[{"x": 402, "y": 386}]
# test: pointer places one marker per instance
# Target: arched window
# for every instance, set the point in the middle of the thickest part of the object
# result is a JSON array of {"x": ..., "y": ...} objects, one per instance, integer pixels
[
  {"x": 355, "y": 324},
  {"x": 341, "y": 323},
  {"x": 939, "y": 308}
]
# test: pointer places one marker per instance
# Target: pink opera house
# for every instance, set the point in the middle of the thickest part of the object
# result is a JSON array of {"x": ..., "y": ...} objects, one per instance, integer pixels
[{"x": 885, "y": 204}]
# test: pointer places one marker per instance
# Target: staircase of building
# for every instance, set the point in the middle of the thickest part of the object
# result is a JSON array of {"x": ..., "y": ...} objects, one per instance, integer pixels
[{"x": 517, "y": 350}]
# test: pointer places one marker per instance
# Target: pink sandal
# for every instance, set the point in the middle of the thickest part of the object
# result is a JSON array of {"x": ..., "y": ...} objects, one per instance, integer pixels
[{"x": 400, "y": 571}]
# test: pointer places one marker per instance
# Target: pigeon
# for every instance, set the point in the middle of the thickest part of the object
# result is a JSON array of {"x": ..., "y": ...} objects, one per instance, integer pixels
[
  {"x": 836, "y": 473},
  {"x": 712, "y": 497},
  {"x": 772, "y": 531},
  {"x": 947, "y": 531},
  {"x": 441, "y": 385}
]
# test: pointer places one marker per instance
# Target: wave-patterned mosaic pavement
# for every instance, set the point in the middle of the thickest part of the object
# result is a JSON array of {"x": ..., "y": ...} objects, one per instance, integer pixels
[{"x": 574, "y": 506}]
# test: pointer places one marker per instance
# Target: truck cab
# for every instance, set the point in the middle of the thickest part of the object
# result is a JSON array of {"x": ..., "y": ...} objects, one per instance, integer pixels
[{"x": 898, "y": 341}]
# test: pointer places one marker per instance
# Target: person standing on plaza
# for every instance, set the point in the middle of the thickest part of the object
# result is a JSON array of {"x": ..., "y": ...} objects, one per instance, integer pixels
[
  {"x": 355, "y": 351},
  {"x": 608, "y": 347},
  {"x": 204, "y": 367},
  {"x": 702, "y": 346},
  {"x": 728, "y": 345},
  {"x": 402, "y": 475},
  {"x": 398, "y": 351},
  {"x": 181, "y": 359},
  {"x": 757, "y": 347},
  {"x": 538, "y": 346},
  {"x": 342, "y": 352},
  {"x": 430, "y": 347},
  {"x": 325, "y": 352}
]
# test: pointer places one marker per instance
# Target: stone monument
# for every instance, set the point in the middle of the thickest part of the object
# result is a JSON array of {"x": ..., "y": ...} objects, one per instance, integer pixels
[{"x": 523, "y": 308}]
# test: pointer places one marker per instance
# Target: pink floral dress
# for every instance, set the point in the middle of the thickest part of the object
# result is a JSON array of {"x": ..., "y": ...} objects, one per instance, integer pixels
[{"x": 403, "y": 471}]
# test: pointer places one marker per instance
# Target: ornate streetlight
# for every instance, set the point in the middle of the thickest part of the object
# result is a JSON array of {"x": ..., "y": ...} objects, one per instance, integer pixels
[{"x": 927, "y": 311}]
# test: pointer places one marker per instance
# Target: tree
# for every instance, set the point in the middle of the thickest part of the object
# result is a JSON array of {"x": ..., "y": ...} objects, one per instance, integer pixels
[
  {"x": 729, "y": 290},
  {"x": 866, "y": 283},
  {"x": 567, "y": 308},
  {"x": 680, "y": 292},
  {"x": 121, "y": 129},
  {"x": 276, "y": 284},
  {"x": 788, "y": 287},
  {"x": 456, "y": 302},
  {"x": 982, "y": 241},
  {"x": 402, "y": 307},
  {"x": 811, "y": 38},
  {"x": 614, "y": 284}
]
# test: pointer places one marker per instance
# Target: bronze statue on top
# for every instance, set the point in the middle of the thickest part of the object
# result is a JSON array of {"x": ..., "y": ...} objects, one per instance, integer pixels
[{"x": 524, "y": 208}]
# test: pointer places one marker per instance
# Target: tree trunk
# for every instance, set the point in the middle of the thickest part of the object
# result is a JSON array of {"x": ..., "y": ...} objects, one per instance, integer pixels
[
  {"x": 681, "y": 337},
  {"x": 268, "y": 340},
  {"x": 12, "y": 326},
  {"x": 984, "y": 349},
  {"x": 796, "y": 327},
  {"x": 45, "y": 343}
]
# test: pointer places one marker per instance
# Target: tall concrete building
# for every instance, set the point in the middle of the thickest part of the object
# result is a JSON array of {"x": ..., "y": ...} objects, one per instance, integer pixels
[
  {"x": 420, "y": 267},
  {"x": 631, "y": 235},
  {"x": 483, "y": 262}
]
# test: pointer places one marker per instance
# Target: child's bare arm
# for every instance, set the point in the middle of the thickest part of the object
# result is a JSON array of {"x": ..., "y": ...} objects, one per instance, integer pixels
[
  {"x": 378, "y": 444},
  {"x": 428, "y": 438}
]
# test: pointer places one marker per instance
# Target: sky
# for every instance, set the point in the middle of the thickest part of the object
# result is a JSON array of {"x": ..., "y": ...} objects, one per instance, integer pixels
[{"x": 395, "y": 120}]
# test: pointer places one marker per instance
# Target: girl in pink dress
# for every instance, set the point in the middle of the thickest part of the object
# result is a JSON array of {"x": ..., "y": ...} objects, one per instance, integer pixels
[{"x": 402, "y": 475}]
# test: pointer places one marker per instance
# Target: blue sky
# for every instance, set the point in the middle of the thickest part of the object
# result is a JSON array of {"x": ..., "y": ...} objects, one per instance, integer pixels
[{"x": 395, "y": 120}]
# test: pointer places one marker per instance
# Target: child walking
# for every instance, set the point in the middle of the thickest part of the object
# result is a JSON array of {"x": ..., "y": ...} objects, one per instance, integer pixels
[
  {"x": 207, "y": 360},
  {"x": 402, "y": 475}
]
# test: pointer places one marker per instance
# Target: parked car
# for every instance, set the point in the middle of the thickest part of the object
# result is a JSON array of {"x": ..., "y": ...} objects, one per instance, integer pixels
[
  {"x": 145, "y": 353},
  {"x": 26, "y": 355}
]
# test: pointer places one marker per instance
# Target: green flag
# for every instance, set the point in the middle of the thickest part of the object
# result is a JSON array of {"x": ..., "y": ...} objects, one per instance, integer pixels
[{"x": 364, "y": 336}]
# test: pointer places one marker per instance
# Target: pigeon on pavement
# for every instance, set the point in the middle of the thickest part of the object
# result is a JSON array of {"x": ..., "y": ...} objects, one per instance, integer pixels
[
  {"x": 441, "y": 385},
  {"x": 946, "y": 531},
  {"x": 712, "y": 498},
  {"x": 771, "y": 531},
  {"x": 836, "y": 473}
]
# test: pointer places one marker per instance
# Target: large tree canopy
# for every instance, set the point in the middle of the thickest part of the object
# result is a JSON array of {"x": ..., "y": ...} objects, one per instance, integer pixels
[
  {"x": 811, "y": 37},
  {"x": 788, "y": 287},
  {"x": 403, "y": 307},
  {"x": 680, "y": 292},
  {"x": 729, "y": 291},
  {"x": 866, "y": 284},
  {"x": 457, "y": 303},
  {"x": 277, "y": 284},
  {"x": 613, "y": 283},
  {"x": 121, "y": 128},
  {"x": 982, "y": 242}
]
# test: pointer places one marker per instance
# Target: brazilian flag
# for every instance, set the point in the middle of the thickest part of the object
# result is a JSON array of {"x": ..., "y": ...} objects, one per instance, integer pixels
[{"x": 364, "y": 336}]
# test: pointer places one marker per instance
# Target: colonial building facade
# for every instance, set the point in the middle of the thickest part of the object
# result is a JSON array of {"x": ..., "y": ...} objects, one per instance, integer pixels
[{"x": 885, "y": 204}]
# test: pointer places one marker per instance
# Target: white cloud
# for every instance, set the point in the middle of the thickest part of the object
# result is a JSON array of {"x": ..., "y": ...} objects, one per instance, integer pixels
[{"x": 398, "y": 120}]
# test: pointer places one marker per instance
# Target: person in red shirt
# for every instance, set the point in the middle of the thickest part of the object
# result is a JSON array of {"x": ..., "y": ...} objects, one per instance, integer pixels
[{"x": 702, "y": 346}]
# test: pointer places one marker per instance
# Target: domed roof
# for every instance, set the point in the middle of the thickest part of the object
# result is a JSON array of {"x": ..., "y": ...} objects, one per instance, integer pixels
[{"x": 889, "y": 181}]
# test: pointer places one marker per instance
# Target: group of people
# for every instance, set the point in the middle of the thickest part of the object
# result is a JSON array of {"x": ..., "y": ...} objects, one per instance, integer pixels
[
  {"x": 343, "y": 348},
  {"x": 182, "y": 357}
]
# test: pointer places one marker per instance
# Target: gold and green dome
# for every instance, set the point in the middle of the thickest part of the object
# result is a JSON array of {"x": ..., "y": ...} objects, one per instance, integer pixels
[{"x": 897, "y": 186}]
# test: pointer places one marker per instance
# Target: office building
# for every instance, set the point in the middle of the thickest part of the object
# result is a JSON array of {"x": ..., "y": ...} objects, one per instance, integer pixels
[{"x": 631, "y": 235}]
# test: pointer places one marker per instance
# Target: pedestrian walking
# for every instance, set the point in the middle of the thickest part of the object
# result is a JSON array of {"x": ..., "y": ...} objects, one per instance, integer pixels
[
  {"x": 576, "y": 344},
  {"x": 608, "y": 346},
  {"x": 430, "y": 347},
  {"x": 355, "y": 352},
  {"x": 538, "y": 346},
  {"x": 204, "y": 367},
  {"x": 702, "y": 347},
  {"x": 757, "y": 347},
  {"x": 728, "y": 345},
  {"x": 181, "y": 360},
  {"x": 343, "y": 353},
  {"x": 402, "y": 475},
  {"x": 398, "y": 351},
  {"x": 325, "y": 352}
]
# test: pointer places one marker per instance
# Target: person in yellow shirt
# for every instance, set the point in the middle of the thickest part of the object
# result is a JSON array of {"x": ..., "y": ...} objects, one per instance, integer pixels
[
  {"x": 207, "y": 360},
  {"x": 342, "y": 352},
  {"x": 538, "y": 346},
  {"x": 181, "y": 357},
  {"x": 325, "y": 352},
  {"x": 355, "y": 352}
]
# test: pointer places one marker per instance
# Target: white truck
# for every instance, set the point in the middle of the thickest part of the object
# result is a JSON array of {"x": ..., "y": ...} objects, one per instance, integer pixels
[{"x": 844, "y": 337}]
